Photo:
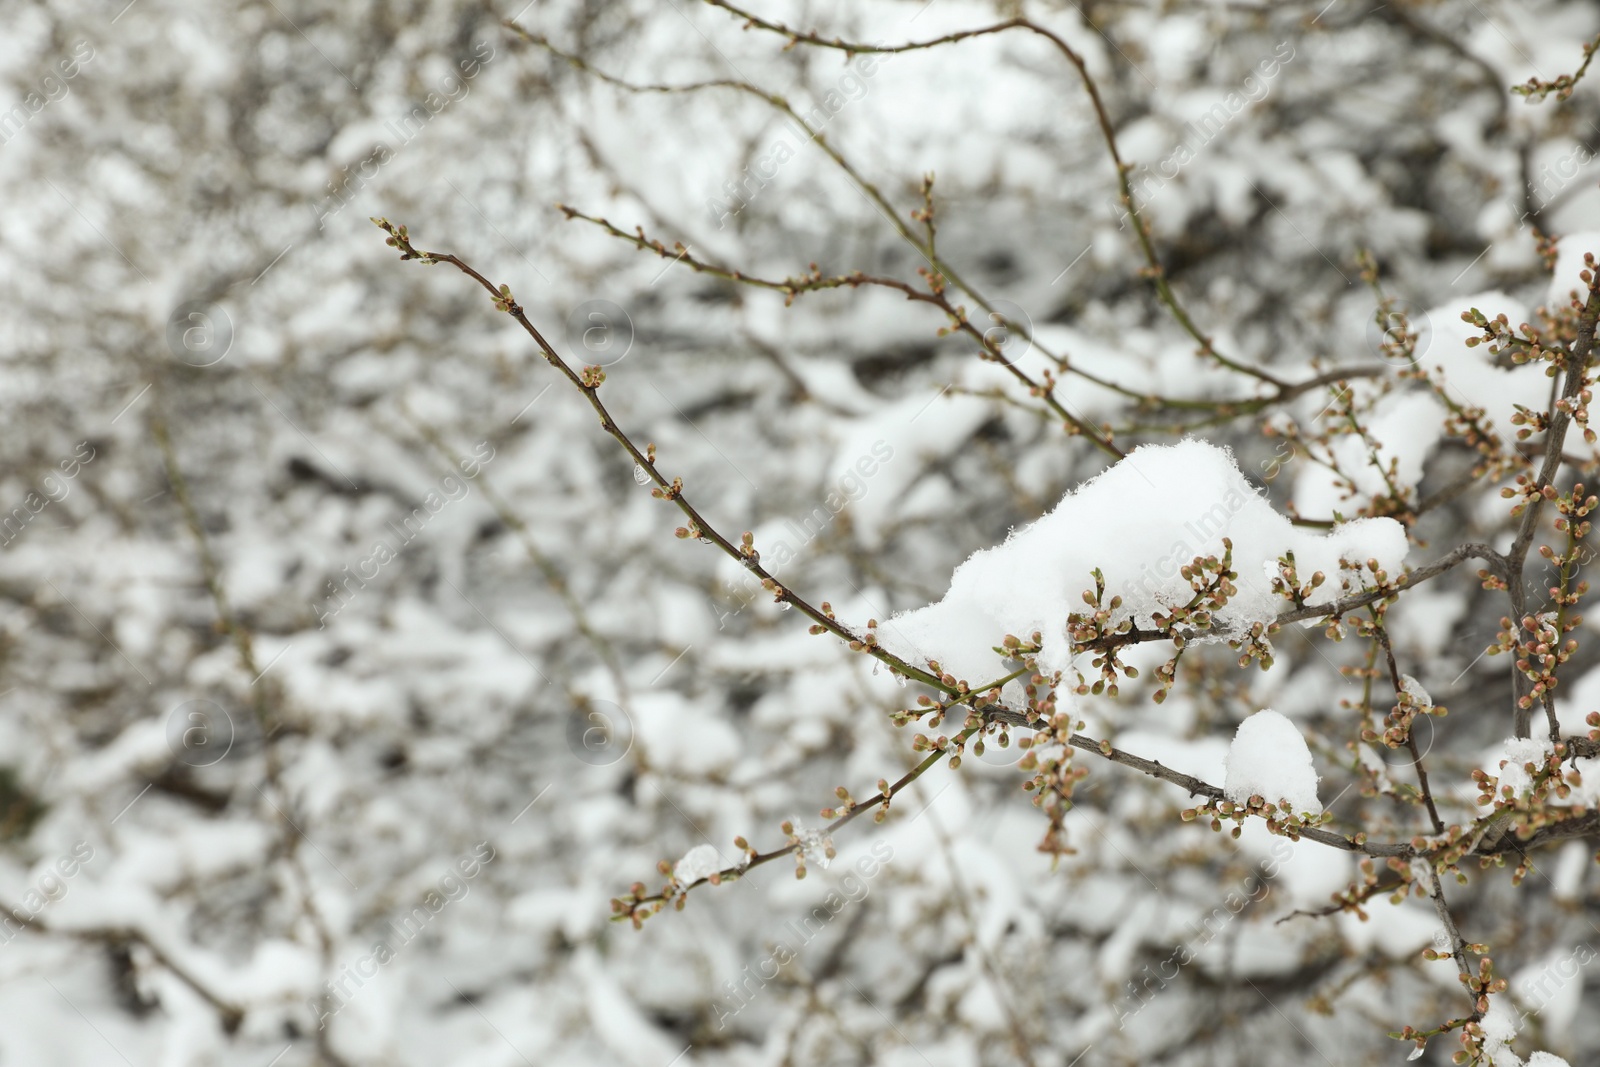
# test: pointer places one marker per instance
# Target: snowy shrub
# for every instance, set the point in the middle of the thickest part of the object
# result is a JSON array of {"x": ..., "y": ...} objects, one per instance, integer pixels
[{"x": 1138, "y": 454}]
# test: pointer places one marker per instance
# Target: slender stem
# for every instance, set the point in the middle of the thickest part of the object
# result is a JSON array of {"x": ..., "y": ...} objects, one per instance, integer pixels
[
  {"x": 1576, "y": 366},
  {"x": 1411, "y": 741},
  {"x": 211, "y": 574},
  {"x": 790, "y": 287},
  {"x": 589, "y": 385},
  {"x": 231, "y": 1012},
  {"x": 262, "y": 708},
  {"x": 878, "y": 800},
  {"x": 1458, "y": 944},
  {"x": 1154, "y": 270},
  {"x": 1225, "y": 409},
  {"x": 1411, "y": 578}
]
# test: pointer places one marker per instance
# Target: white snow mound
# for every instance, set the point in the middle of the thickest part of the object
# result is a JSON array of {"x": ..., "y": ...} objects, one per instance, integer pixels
[
  {"x": 701, "y": 861},
  {"x": 1139, "y": 521},
  {"x": 1270, "y": 759}
]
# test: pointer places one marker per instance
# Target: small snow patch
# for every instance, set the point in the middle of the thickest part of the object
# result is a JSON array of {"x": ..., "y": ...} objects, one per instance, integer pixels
[
  {"x": 1269, "y": 758},
  {"x": 1515, "y": 757},
  {"x": 1414, "y": 690},
  {"x": 699, "y": 862}
]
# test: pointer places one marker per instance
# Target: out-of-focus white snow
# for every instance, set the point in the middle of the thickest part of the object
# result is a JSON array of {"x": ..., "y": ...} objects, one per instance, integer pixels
[
  {"x": 616, "y": 1018},
  {"x": 1583, "y": 695},
  {"x": 1139, "y": 522},
  {"x": 1204, "y": 758},
  {"x": 1300, "y": 874},
  {"x": 1552, "y": 986},
  {"x": 1572, "y": 864},
  {"x": 883, "y": 455},
  {"x": 1470, "y": 374},
  {"x": 1269, "y": 758},
  {"x": 1399, "y": 931},
  {"x": 682, "y": 739},
  {"x": 1403, "y": 429},
  {"x": 1570, "y": 251}
]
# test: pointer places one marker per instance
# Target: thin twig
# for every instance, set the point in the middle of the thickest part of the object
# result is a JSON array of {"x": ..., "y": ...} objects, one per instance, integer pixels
[
  {"x": 1575, "y": 366},
  {"x": 588, "y": 384},
  {"x": 1154, "y": 269},
  {"x": 1382, "y": 633},
  {"x": 1136, "y": 635}
]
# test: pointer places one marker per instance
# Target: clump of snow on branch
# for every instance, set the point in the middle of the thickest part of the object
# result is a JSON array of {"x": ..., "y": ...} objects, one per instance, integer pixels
[
  {"x": 1269, "y": 758},
  {"x": 1139, "y": 522},
  {"x": 1414, "y": 690},
  {"x": 1510, "y": 761},
  {"x": 1403, "y": 428},
  {"x": 1514, "y": 760},
  {"x": 699, "y": 862},
  {"x": 1499, "y": 1029}
]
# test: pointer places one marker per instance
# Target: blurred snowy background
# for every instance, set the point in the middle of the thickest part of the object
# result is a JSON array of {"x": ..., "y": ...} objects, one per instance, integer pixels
[{"x": 273, "y": 794}]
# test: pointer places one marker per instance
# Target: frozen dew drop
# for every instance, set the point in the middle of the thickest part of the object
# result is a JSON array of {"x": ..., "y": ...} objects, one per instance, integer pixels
[
  {"x": 901, "y": 680},
  {"x": 640, "y": 475},
  {"x": 705, "y": 541},
  {"x": 784, "y": 605},
  {"x": 813, "y": 845}
]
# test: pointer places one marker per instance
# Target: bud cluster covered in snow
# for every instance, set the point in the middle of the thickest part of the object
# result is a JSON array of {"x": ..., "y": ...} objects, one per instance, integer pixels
[
  {"x": 1269, "y": 759},
  {"x": 1139, "y": 522}
]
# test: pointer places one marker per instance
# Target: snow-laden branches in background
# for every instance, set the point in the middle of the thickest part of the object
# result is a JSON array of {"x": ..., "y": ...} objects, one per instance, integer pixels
[{"x": 350, "y": 671}]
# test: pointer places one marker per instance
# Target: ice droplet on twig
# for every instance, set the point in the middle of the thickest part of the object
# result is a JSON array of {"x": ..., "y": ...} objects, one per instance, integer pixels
[
  {"x": 640, "y": 475},
  {"x": 1418, "y": 694},
  {"x": 784, "y": 605},
  {"x": 813, "y": 845}
]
